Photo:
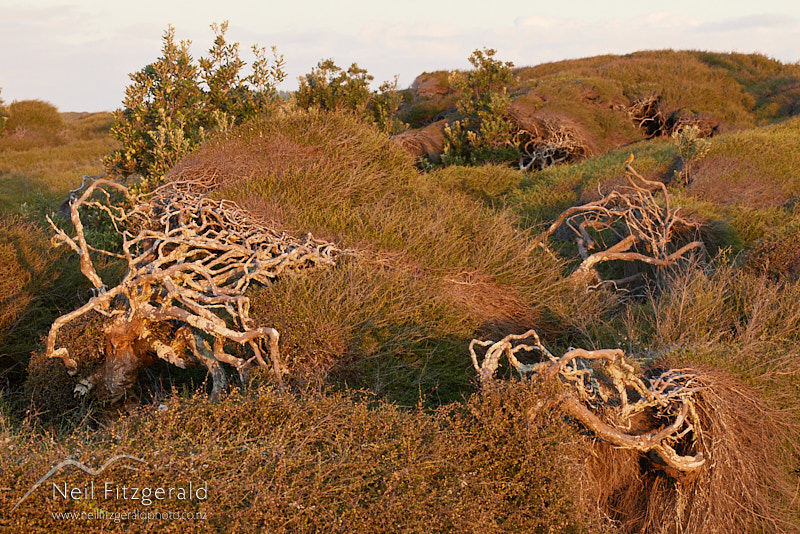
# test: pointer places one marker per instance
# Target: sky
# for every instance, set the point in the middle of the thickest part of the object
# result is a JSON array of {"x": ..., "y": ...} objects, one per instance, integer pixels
[{"x": 78, "y": 54}]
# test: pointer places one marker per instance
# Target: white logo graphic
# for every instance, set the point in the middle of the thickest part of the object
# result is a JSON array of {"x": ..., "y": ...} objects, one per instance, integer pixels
[{"x": 82, "y": 467}]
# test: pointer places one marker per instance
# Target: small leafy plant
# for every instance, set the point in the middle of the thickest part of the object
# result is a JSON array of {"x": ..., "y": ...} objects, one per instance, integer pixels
[
  {"x": 174, "y": 103},
  {"x": 691, "y": 148},
  {"x": 328, "y": 87}
]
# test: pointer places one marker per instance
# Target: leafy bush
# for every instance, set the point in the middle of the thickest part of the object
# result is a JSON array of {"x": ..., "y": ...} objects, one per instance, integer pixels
[
  {"x": 330, "y": 88},
  {"x": 173, "y": 103},
  {"x": 484, "y": 132}
]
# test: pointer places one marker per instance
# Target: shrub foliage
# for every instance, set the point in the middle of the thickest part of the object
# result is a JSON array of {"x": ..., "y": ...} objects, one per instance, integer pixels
[
  {"x": 173, "y": 103},
  {"x": 328, "y": 87},
  {"x": 484, "y": 131}
]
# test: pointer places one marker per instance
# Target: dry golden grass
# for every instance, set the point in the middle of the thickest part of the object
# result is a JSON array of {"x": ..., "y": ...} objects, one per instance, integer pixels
[{"x": 381, "y": 428}]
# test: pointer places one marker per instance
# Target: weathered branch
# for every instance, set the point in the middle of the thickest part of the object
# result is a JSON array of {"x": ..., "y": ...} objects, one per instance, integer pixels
[
  {"x": 602, "y": 391},
  {"x": 641, "y": 230},
  {"x": 190, "y": 260}
]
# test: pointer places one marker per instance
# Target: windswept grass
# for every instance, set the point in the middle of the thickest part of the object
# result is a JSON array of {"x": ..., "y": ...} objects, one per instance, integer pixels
[
  {"x": 430, "y": 264},
  {"x": 379, "y": 427}
]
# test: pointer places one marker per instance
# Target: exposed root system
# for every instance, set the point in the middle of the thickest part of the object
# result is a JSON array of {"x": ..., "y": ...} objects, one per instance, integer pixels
[
  {"x": 190, "y": 260},
  {"x": 627, "y": 225},
  {"x": 603, "y": 392},
  {"x": 671, "y": 451},
  {"x": 547, "y": 139}
]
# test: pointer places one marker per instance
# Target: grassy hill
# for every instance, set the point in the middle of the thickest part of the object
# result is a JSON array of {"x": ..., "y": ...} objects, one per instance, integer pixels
[
  {"x": 382, "y": 426},
  {"x": 38, "y": 168},
  {"x": 729, "y": 91}
]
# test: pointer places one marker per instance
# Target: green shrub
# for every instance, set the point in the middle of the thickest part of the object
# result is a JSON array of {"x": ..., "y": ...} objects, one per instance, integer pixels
[
  {"x": 484, "y": 132},
  {"x": 173, "y": 103},
  {"x": 321, "y": 463},
  {"x": 330, "y": 88}
]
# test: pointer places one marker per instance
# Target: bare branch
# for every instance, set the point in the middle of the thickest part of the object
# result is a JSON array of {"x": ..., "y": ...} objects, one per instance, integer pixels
[
  {"x": 190, "y": 260},
  {"x": 644, "y": 231},
  {"x": 602, "y": 391}
]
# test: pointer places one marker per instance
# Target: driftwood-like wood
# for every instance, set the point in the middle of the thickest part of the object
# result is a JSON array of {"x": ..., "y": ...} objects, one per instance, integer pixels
[
  {"x": 647, "y": 113},
  {"x": 548, "y": 141},
  {"x": 190, "y": 260},
  {"x": 639, "y": 228},
  {"x": 602, "y": 391}
]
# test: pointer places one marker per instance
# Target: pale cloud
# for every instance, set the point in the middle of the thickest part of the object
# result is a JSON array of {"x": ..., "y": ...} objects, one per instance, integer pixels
[
  {"x": 542, "y": 22},
  {"x": 79, "y": 55},
  {"x": 766, "y": 21}
]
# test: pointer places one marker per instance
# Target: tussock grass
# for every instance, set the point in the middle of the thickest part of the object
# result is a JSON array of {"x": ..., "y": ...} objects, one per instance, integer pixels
[
  {"x": 29, "y": 285},
  {"x": 753, "y": 168},
  {"x": 740, "y": 319},
  {"x": 680, "y": 77},
  {"x": 744, "y": 190},
  {"x": 431, "y": 263}
]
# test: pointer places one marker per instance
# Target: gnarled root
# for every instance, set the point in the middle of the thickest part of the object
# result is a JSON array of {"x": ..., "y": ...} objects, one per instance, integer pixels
[
  {"x": 190, "y": 260},
  {"x": 637, "y": 226},
  {"x": 545, "y": 141},
  {"x": 602, "y": 391}
]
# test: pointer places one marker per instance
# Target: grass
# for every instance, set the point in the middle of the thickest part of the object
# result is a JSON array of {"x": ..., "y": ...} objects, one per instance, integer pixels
[
  {"x": 732, "y": 90},
  {"x": 726, "y": 88},
  {"x": 427, "y": 254},
  {"x": 381, "y": 427},
  {"x": 40, "y": 283},
  {"x": 334, "y": 463}
]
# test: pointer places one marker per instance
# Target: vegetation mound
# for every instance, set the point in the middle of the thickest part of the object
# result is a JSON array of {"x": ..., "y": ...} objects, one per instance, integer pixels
[
  {"x": 616, "y": 100},
  {"x": 428, "y": 264}
]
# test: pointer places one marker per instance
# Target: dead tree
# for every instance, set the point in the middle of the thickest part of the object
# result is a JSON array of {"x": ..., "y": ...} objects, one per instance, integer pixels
[
  {"x": 548, "y": 141},
  {"x": 601, "y": 390},
  {"x": 190, "y": 260},
  {"x": 647, "y": 113},
  {"x": 638, "y": 227}
]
